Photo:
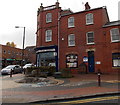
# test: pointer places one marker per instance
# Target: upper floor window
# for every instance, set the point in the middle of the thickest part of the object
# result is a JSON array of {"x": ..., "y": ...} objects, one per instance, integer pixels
[
  {"x": 115, "y": 35},
  {"x": 48, "y": 17},
  {"x": 89, "y": 18},
  {"x": 4, "y": 51},
  {"x": 71, "y": 40},
  {"x": 90, "y": 37},
  {"x": 48, "y": 35},
  {"x": 71, "y": 22}
]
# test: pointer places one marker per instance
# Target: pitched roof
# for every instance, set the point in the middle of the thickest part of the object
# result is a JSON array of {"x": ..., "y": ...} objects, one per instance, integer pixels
[{"x": 113, "y": 23}]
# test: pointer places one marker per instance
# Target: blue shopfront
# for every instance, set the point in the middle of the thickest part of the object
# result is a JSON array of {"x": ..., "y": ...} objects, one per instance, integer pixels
[{"x": 47, "y": 56}]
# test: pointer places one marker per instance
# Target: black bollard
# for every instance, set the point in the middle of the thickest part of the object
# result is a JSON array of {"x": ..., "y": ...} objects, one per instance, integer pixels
[
  {"x": 11, "y": 73},
  {"x": 99, "y": 78}
]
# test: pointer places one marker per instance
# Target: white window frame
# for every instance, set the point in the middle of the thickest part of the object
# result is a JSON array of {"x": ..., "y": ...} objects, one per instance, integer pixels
[
  {"x": 115, "y": 34},
  {"x": 71, "y": 22},
  {"x": 48, "y": 17},
  {"x": 71, "y": 42},
  {"x": 87, "y": 38},
  {"x": 89, "y": 18},
  {"x": 48, "y": 36}
]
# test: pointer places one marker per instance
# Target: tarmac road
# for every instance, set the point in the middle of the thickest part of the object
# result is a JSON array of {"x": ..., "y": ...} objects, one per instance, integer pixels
[{"x": 13, "y": 92}]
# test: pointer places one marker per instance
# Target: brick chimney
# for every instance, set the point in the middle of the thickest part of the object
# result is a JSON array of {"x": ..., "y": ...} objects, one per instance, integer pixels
[
  {"x": 87, "y": 6},
  {"x": 57, "y": 4}
]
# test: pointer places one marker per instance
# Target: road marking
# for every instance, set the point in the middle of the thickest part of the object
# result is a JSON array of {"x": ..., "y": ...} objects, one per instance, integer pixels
[
  {"x": 92, "y": 100},
  {"x": 113, "y": 81}
]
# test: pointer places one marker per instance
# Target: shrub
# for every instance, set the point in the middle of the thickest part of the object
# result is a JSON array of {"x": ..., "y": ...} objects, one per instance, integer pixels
[
  {"x": 49, "y": 70},
  {"x": 66, "y": 73}
]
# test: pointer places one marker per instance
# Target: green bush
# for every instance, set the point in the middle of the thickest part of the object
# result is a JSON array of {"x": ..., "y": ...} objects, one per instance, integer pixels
[{"x": 40, "y": 70}]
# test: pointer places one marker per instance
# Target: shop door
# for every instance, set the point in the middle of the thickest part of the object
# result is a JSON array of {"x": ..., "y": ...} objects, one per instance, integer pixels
[{"x": 91, "y": 64}]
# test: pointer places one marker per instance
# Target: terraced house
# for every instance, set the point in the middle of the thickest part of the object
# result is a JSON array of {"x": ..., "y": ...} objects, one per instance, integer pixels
[{"x": 66, "y": 39}]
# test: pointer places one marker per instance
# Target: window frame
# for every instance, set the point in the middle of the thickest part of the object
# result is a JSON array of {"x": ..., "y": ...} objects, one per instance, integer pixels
[
  {"x": 48, "y": 17},
  {"x": 111, "y": 34},
  {"x": 71, "y": 41},
  {"x": 48, "y": 35},
  {"x": 89, "y": 18},
  {"x": 71, "y": 23},
  {"x": 92, "y": 37}
]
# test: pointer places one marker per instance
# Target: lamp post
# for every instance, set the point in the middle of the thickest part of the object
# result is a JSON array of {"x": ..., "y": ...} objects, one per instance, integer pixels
[{"x": 23, "y": 43}]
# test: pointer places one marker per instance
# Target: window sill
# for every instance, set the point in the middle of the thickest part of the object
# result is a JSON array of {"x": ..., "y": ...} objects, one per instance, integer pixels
[
  {"x": 71, "y": 46},
  {"x": 115, "y": 67},
  {"x": 71, "y": 26},
  {"x": 90, "y": 43},
  {"x": 48, "y": 41},
  {"x": 89, "y": 24},
  {"x": 115, "y": 41},
  {"x": 48, "y": 22}
]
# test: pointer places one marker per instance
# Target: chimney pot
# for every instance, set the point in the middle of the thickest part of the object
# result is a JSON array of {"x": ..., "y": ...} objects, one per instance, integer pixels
[{"x": 87, "y": 6}]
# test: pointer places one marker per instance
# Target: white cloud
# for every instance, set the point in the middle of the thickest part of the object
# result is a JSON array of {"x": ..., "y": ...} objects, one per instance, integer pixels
[{"x": 24, "y": 13}]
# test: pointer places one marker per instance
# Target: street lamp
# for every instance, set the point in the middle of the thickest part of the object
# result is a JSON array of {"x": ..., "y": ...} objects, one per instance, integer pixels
[{"x": 23, "y": 42}]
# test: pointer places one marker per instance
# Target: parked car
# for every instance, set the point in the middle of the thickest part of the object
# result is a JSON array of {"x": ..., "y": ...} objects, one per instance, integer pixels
[
  {"x": 14, "y": 68},
  {"x": 28, "y": 65}
]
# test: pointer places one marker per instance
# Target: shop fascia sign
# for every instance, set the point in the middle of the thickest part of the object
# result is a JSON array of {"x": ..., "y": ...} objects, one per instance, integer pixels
[{"x": 46, "y": 50}]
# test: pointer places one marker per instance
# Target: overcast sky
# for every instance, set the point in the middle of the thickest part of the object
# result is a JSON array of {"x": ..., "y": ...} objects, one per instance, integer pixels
[{"x": 24, "y": 13}]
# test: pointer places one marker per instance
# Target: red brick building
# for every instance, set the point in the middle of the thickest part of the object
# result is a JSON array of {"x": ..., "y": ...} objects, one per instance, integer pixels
[
  {"x": 66, "y": 39},
  {"x": 31, "y": 54},
  {"x": 11, "y": 55}
]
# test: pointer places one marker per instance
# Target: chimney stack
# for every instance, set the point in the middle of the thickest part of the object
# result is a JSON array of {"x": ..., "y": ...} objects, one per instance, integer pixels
[{"x": 87, "y": 6}]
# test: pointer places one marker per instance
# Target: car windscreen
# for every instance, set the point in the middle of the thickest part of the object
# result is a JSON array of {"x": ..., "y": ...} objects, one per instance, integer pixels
[{"x": 10, "y": 67}]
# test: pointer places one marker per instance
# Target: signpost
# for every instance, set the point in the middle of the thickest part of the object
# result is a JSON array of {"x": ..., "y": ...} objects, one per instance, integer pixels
[{"x": 85, "y": 59}]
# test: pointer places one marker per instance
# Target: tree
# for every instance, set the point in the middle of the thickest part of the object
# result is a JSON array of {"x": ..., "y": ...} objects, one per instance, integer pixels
[
  {"x": 8, "y": 43},
  {"x": 12, "y": 44}
]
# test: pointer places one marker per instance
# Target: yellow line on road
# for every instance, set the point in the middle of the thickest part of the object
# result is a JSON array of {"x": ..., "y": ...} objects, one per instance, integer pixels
[{"x": 92, "y": 100}]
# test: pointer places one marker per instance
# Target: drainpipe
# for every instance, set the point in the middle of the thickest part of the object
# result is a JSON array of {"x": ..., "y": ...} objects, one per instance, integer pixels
[{"x": 58, "y": 39}]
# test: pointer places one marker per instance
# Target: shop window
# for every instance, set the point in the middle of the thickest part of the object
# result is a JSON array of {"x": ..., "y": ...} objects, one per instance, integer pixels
[
  {"x": 115, "y": 35},
  {"x": 71, "y": 22},
  {"x": 48, "y": 17},
  {"x": 116, "y": 59},
  {"x": 72, "y": 61},
  {"x": 71, "y": 40},
  {"x": 90, "y": 38},
  {"x": 48, "y": 35},
  {"x": 89, "y": 18}
]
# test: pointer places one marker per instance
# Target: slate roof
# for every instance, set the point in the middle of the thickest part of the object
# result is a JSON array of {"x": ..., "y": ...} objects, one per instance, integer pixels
[{"x": 113, "y": 23}]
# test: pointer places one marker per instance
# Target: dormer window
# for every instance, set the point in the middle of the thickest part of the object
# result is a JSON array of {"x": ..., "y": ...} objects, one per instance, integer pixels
[
  {"x": 48, "y": 17},
  {"x": 89, "y": 19},
  {"x": 71, "y": 22}
]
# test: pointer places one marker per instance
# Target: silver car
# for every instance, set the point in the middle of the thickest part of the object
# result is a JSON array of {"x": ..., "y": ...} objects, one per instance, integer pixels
[{"x": 14, "y": 68}]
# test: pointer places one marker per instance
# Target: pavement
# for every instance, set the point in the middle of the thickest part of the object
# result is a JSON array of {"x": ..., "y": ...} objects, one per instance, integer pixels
[{"x": 81, "y": 85}]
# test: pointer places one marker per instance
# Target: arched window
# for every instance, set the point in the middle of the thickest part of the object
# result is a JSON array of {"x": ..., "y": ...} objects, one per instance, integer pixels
[{"x": 72, "y": 61}]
